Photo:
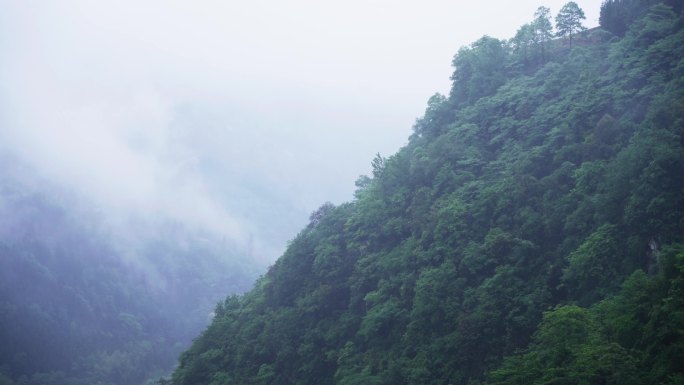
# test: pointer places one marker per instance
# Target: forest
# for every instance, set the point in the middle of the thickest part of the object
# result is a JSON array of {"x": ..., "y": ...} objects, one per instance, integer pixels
[
  {"x": 530, "y": 232},
  {"x": 82, "y": 302}
]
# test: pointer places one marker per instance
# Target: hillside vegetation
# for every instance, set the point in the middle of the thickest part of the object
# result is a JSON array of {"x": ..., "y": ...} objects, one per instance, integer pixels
[
  {"x": 530, "y": 232},
  {"x": 84, "y": 304}
]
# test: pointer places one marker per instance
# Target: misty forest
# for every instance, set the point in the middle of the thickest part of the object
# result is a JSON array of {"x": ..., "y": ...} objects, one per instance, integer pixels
[{"x": 531, "y": 231}]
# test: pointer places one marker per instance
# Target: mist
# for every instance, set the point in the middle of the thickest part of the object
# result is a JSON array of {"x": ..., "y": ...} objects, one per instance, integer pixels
[{"x": 236, "y": 117}]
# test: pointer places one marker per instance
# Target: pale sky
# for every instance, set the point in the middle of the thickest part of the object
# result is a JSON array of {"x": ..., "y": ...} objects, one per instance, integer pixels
[{"x": 242, "y": 117}]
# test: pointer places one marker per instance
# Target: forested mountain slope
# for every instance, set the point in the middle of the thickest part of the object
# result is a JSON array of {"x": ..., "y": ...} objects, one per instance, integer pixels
[
  {"x": 529, "y": 233},
  {"x": 83, "y": 303}
]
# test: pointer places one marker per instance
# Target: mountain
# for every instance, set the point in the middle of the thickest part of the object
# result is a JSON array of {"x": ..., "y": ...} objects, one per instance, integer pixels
[
  {"x": 530, "y": 232},
  {"x": 86, "y": 301}
]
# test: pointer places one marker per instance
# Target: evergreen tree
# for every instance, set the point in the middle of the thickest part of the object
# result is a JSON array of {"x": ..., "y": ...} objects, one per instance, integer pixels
[
  {"x": 523, "y": 41},
  {"x": 569, "y": 21},
  {"x": 543, "y": 29}
]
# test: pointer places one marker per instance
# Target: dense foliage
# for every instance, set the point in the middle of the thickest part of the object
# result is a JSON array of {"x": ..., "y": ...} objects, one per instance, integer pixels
[
  {"x": 617, "y": 15},
  {"x": 82, "y": 305},
  {"x": 529, "y": 233}
]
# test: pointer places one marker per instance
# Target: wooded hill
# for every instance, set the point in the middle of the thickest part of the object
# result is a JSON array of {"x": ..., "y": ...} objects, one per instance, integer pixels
[
  {"x": 530, "y": 232},
  {"x": 82, "y": 303}
]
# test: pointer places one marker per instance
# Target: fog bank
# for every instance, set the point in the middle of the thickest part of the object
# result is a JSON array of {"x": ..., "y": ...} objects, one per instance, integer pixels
[{"x": 238, "y": 117}]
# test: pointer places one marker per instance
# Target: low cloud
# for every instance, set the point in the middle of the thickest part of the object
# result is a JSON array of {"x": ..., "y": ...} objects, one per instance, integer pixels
[{"x": 239, "y": 117}]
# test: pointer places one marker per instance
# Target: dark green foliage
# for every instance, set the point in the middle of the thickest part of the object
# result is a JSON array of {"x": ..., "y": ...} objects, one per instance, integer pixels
[
  {"x": 480, "y": 70},
  {"x": 617, "y": 15},
  {"x": 593, "y": 269},
  {"x": 634, "y": 337},
  {"x": 523, "y": 43},
  {"x": 529, "y": 233}
]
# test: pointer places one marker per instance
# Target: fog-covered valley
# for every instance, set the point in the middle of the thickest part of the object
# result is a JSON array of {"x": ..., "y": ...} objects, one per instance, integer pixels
[
  {"x": 86, "y": 298},
  {"x": 157, "y": 158}
]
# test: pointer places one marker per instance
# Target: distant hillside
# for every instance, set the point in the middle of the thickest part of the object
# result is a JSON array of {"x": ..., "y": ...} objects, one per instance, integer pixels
[
  {"x": 531, "y": 232},
  {"x": 82, "y": 303}
]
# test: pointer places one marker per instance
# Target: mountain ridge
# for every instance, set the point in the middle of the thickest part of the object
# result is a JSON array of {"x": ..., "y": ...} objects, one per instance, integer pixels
[{"x": 508, "y": 242}]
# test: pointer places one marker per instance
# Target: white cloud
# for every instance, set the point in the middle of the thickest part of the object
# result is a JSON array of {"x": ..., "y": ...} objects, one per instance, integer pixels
[{"x": 219, "y": 112}]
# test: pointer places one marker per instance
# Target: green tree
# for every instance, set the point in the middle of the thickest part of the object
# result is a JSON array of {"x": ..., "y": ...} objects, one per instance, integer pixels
[
  {"x": 523, "y": 40},
  {"x": 617, "y": 15},
  {"x": 569, "y": 21},
  {"x": 479, "y": 70},
  {"x": 543, "y": 29},
  {"x": 594, "y": 268}
]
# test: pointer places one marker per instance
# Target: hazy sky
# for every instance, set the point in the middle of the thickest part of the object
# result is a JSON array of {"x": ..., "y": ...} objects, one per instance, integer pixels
[{"x": 241, "y": 116}]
